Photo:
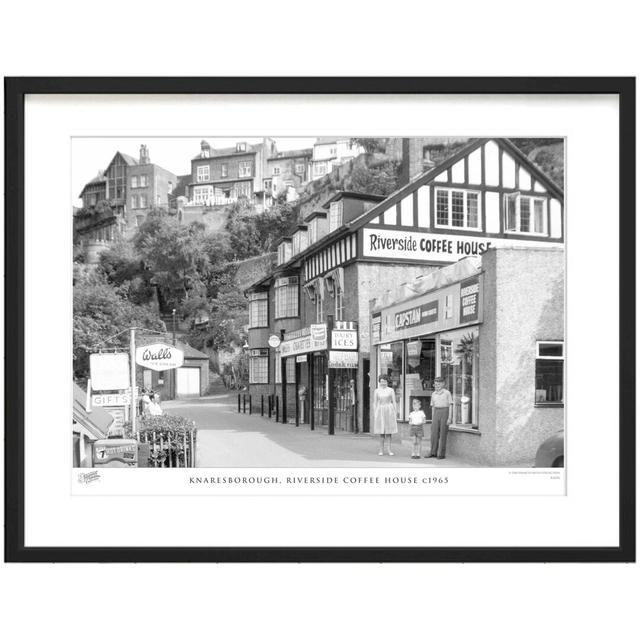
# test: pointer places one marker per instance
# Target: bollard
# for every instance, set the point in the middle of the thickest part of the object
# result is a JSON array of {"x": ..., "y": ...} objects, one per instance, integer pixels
[
  {"x": 249, "y": 404},
  {"x": 261, "y": 405},
  {"x": 277, "y": 409},
  {"x": 238, "y": 403},
  {"x": 244, "y": 403},
  {"x": 270, "y": 405}
]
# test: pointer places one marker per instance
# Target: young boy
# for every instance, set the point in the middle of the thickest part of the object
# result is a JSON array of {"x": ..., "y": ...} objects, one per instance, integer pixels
[
  {"x": 442, "y": 411},
  {"x": 417, "y": 418}
]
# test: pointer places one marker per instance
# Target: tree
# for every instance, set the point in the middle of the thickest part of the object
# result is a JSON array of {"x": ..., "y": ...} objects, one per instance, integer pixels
[
  {"x": 100, "y": 311},
  {"x": 371, "y": 145},
  {"x": 175, "y": 254},
  {"x": 378, "y": 178},
  {"x": 121, "y": 265}
]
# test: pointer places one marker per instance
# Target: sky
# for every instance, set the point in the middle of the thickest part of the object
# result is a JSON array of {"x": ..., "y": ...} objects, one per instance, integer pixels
[{"x": 91, "y": 155}]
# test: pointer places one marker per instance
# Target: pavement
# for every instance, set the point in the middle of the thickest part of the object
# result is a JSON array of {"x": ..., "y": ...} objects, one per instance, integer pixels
[{"x": 227, "y": 438}]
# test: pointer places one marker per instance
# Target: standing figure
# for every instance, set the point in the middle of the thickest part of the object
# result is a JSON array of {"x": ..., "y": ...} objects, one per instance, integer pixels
[
  {"x": 384, "y": 412},
  {"x": 154, "y": 407},
  {"x": 442, "y": 405},
  {"x": 417, "y": 418}
]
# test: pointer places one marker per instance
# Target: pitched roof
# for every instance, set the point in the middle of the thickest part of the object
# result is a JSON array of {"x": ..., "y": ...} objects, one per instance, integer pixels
[
  {"x": 417, "y": 182},
  {"x": 130, "y": 160}
]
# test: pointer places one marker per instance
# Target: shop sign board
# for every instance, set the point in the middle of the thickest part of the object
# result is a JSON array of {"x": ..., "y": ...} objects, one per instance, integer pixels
[
  {"x": 343, "y": 339},
  {"x": 301, "y": 358},
  {"x": 422, "y": 314},
  {"x": 469, "y": 298},
  {"x": 111, "y": 399},
  {"x": 115, "y": 452},
  {"x": 343, "y": 359},
  {"x": 432, "y": 247},
  {"x": 319, "y": 331},
  {"x": 315, "y": 341},
  {"x": 109, "y": 371},
  {"x": 462, "y": 302},
  {"x": 159, "y": 357}
]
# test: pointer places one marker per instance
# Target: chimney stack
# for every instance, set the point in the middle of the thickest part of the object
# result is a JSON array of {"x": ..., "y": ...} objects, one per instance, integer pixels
[{"x": 144, "y": 154}]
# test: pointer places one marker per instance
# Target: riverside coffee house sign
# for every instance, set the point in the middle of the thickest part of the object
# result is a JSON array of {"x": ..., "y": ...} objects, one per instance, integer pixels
[
  {"x": 159, "y": 357},
  {"x": 433, "y": 247}
]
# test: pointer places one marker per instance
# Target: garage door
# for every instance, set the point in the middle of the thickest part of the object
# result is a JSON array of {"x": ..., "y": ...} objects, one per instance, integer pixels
[{"x": 188, "y": 382}]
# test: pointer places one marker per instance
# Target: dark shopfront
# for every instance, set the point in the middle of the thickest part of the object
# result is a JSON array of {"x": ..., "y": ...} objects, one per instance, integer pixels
[{"x": 324, "y": 376}]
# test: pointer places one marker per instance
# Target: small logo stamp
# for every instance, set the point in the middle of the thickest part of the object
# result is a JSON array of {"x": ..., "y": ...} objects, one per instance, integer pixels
[{"x": 87, "y": 478}]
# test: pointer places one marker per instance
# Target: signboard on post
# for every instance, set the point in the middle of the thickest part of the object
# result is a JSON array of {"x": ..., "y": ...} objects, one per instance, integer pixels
[
  {"x": 159, "y": 357},
  {"x": 109, "y": 371}
]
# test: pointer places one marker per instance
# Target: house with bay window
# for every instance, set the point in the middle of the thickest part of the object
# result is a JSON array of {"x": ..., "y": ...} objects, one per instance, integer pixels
[
  {"x": 220, "y": 177},
  {"x": 363, "y": 250},
  {"x": 126, "y": 191}
]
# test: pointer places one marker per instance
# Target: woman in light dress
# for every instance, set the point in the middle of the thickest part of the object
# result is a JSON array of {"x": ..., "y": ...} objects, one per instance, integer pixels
[{"x": 384, "y": 412}]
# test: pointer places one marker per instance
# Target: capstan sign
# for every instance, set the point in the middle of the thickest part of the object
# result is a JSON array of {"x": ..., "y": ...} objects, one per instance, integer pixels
[{"x": 159, "y": 357}]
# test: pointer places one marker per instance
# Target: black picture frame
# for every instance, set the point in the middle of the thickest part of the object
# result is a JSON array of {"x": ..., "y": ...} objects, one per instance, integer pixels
[{"x": 15, "y": 91}]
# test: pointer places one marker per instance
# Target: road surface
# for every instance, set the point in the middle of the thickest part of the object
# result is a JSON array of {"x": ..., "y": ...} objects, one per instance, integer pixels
[{"x": 229, "y": 439}]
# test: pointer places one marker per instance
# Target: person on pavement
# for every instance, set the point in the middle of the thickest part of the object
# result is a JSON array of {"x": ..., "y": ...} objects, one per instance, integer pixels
[{"x": 384, "y": 412}]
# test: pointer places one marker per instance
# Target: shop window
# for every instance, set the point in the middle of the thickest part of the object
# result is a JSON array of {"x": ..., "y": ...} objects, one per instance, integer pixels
[
  {"x": 259, "y": 370},
  {"x": 457, "y": 208},
  {"x": 258, "y": 310},
  {"x": 524, "y": 214},
  {"x": 420, "y": 371},
  {"x": 459, "y": 368},
  {"x": 391, "y": 363},
  {"x": 286, "y": 295},
  {"x": 549, "y": 373}
]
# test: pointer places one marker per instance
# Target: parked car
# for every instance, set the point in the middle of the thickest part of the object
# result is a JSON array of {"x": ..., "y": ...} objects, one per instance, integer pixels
[{"x": 551, "y": 452}]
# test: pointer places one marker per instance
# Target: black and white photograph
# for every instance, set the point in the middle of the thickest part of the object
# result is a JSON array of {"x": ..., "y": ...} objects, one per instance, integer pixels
[
  {"x": 318, "y": 302},
  {"x": 281, "y": 315}
]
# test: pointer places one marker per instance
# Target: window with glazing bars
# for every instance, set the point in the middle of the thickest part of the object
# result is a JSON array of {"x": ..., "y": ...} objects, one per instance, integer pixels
[
  {"x": 258, "y": 310},
  {"x": 286, "y": 294},
  {"x": 259, "y": 370}
]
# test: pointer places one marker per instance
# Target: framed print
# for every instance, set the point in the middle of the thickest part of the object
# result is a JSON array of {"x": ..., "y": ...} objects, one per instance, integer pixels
[{"x": 320, "y": 319}]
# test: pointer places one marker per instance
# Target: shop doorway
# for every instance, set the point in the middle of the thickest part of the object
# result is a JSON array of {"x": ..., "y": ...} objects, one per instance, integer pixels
[
  {"x": 320, "y": 409},
  {"x": 344, "y": 394},
  {"x": 366, "y": 391}
]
